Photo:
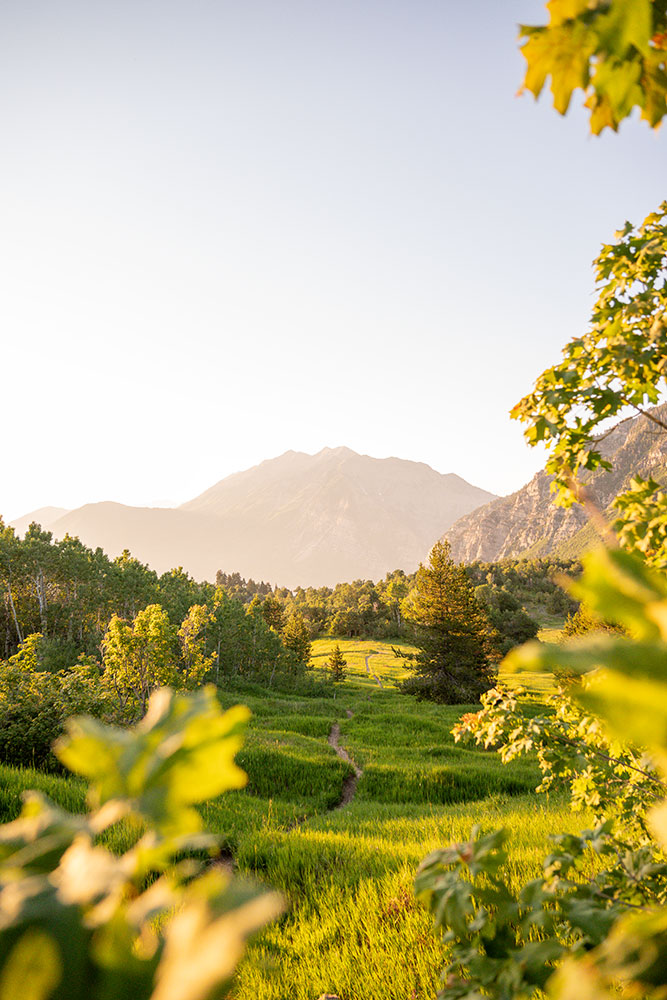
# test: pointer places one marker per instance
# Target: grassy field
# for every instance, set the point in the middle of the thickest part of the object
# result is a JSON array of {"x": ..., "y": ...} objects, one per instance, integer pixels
[{"x": 352, "y": 927}]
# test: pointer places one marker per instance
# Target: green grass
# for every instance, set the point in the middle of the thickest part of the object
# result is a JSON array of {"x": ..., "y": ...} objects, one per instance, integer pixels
[
  {"x": 382, "y": 662},
  {"x": 352, "y": 926},
  {"x": 67, "y": 792}
]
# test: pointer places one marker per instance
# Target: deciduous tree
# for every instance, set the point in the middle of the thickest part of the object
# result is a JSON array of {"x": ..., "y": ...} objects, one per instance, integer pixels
[{"x": 140, "y": 657}]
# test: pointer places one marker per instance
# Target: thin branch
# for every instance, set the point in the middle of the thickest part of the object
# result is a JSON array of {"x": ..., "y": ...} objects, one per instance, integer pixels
[
  {"x": 645, "y": 413},
  {"x": 583, "y": 747}
]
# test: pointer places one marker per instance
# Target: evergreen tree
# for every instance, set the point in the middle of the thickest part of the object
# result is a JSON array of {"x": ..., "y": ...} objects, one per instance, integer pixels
[
  {"x": 457, "y": 651},
  {"x": 273, "y": 612},
  {"x": 337, "y": 665},
  {"x": 296, "y": 638}
]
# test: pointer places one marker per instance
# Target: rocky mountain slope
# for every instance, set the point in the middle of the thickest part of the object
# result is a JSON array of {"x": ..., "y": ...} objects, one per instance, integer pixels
[
  {"x": 528, "y": 523},
  {"x": 294, "y": 520}
]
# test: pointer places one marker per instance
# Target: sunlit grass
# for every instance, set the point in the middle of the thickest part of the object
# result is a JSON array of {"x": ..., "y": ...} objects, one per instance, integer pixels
[
  {"x": 353, "y": 927},
  {"x": 382, "y": 661}
]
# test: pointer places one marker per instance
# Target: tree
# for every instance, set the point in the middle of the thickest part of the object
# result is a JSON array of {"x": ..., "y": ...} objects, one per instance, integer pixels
[
  {"x": 618, "y": 363},
  {"x": 34, "y": 703},
  {"x": 506, "y": 615},
  {"x": 455, "y": 662},
  {"x": 139, "y": 657},
  {"x": 274, "y": 614},
  {"x": 195, "y": 664},
  {"x": 336, "y": 665},
  {"x": 296, "y": 638},
  {"x": 595, "y": 924}
]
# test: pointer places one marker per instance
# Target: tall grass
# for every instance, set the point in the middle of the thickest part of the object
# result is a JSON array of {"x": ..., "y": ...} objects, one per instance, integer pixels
[{"x": 352, "y": 927}]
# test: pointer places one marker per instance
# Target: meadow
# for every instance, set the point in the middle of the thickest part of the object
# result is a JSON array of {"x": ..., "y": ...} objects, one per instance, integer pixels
[{"x": 352, "y": 927}]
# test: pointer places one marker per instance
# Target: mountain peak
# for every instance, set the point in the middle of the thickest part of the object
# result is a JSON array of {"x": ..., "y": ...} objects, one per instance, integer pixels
[
  {"x": 297, "y": 519},
  {"x": 341, "y": 450}
]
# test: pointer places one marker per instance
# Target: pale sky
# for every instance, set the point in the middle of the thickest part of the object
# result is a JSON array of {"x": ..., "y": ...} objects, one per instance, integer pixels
[{"x": 228, "y": 229}]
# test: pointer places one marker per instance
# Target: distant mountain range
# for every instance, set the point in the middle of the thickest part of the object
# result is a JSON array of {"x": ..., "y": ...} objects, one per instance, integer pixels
[
  {"x": 308, "y": 520},
  {"x": 528, "y": 524}
]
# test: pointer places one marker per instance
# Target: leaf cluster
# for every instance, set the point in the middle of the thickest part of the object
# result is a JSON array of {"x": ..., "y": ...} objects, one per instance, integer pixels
[
  {"x": 77, "y": 921},
  {"x": 620, "y": 362},
  {"x": 613, "y": 50}
]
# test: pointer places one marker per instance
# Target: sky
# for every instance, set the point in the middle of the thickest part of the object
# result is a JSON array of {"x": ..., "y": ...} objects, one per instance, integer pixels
[{"x": 230, "y": 229}]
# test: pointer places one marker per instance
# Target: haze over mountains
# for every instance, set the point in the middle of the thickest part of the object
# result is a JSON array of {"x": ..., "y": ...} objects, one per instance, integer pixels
[
  {"x": 299, "y": 519},
  {"x": 527, "y": 523}
]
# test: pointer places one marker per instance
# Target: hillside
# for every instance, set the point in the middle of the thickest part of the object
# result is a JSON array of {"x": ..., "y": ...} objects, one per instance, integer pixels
[
  {"x": 298, "y": 519},
  {"x": 528, "y": 522},
  {"x": 46, "y": 516}
]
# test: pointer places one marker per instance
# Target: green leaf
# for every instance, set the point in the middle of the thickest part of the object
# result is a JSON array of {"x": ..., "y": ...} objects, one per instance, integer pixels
[
  {"x": 181, "y": 754},
  {"x": 626, "y": 23},
  {"x": 33, "y": 968}
]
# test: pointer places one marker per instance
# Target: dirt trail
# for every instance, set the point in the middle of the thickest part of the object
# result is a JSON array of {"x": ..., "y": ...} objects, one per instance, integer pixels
[
  {"x": 350, "y": 783},
  {"x": 370, "y": 672}
]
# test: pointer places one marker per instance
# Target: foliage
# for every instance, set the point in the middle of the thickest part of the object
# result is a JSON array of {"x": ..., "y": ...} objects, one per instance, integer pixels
[
  {"x": 195, "y": 664},
  {"x": 607, "y": 919},
  {"x": 77, "y": 921},
  {"x": 614, "y": 50},
  {"x": 572, "y": 751},
  {"x": 619, "y": 363},
  {"x": 296, "y": 639},
  {"x": 34, "y": 703},
  {"x": 336, "y": 665},
  {"x": 535, "y": 584},
  {"x": 510, "y": 622},
  {"x": 139, "y": 657},
  {"x": 599, "y": 910},
  {"x": 642, "y": 521},
  {"x": 583, "y": 621},
  {"x": 454, "y": 664}
]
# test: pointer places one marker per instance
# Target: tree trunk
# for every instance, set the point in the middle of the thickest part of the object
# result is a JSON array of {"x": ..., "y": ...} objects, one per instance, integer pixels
[{"x": 11, "y": 604}]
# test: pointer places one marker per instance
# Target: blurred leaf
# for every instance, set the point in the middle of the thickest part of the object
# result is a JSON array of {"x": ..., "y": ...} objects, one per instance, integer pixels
[
  {"x": 181, "y": 754},
  {"x": 33, "y": 968},
  {"x": 205, "y": 940},
  {"x": 608, "y": 48}
]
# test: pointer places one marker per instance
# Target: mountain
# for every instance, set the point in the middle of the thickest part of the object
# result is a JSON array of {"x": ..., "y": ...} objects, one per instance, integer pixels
[
  {"x": 308, "y": 520},
  {"x": 527, "y": 523},
  {"x": 46, "y": 516}
]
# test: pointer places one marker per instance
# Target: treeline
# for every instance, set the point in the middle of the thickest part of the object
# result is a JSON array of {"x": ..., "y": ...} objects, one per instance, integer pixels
[
  {"x": 68, "y": 593},
  {"x": 515, "y": 594},
  {"x": 80, "y": 632}
]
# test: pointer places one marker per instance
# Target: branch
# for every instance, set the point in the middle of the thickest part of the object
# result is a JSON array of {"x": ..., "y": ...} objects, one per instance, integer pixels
[
  {"x": 645, "y": 413},
  {"x": 610, "y": 760}
]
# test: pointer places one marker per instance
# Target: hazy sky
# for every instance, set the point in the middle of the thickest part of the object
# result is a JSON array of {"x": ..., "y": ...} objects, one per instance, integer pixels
[{"x": 228, "y": 229}]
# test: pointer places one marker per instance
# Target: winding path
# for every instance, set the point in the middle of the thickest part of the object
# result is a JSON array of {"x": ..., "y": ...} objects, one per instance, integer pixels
[
  {"x": 370, "y": 672},
  {"x": 351, "y": 782}
]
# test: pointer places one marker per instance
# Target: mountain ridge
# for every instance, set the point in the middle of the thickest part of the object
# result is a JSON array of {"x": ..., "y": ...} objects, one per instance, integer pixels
[
  {"x": 527, "y": 523},
  {"x": 295, "y": 519}
]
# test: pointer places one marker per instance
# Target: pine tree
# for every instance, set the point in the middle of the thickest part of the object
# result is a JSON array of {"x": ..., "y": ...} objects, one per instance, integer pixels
[
  {"x": 456, "y": 649},
  {"x": 336, "y": 665},
  {"x": 296, "y": 638}
]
